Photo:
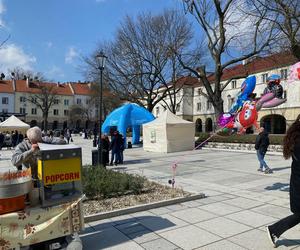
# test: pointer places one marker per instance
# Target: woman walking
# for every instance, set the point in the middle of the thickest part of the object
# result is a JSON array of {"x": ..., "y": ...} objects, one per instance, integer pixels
[{"x": 291, "y": 148}]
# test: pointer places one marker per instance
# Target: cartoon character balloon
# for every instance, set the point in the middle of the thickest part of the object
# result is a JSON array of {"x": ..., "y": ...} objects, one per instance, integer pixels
[
  {"x": 246, "y": 89},
  {"x": 246, "y": 118},
  {"x": 274, "y": 87}
]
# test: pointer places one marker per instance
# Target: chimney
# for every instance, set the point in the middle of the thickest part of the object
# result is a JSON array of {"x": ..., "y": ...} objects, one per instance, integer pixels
[
  {"x": 13, "y": 80},
  {"x": 27, "y": 82}
]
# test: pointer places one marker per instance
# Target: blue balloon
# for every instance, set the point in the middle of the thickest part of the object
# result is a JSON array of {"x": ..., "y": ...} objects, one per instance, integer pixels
[{"x": 247, "y": 88}]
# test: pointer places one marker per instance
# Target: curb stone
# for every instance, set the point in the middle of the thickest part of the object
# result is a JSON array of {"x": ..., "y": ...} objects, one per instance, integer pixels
[{"x": 140, "y": 208}]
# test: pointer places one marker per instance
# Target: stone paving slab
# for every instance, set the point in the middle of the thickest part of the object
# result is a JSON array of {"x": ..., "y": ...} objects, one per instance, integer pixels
[
  {"x": 159, "y": 244},
  {"x": 190, "y": 237},
  {"x": 143, "y": 236},
  {"x": 256, "y": 239},
  {"x": 193, "y": 215},
  {"x": 110, "y": 238},
  {"x": 251, "y": 218},
  {"x": 222, "y": 245},
  {"x": 163, "y": 223},
  {"x": 274, "y": 211},
  {"x": 220, "y": 208},
  {"x": 223, "y": 227}
]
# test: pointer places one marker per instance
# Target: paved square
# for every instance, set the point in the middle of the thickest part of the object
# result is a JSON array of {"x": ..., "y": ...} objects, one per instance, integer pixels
[{"x": 240, "y": 202}]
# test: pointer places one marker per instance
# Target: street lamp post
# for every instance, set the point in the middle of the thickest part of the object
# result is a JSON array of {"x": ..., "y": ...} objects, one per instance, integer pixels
[{"x": 101, "y": 59}]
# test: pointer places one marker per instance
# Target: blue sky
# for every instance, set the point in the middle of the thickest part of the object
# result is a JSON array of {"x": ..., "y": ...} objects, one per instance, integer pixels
[{"x": 49, "y": 36}]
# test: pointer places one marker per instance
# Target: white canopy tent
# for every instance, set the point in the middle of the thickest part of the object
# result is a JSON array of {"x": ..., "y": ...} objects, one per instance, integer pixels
[
  {"x": 13, "y": 123},
  {"x": 168, "y": 133}
]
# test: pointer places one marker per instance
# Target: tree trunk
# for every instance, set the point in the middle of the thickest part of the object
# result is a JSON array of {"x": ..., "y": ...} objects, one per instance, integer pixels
[
  {"x": 219, "y": 109},
  {"x": 150, "y": 107},
  {"x": 45, "y": 118},
  {"x": 296, "y": 51}
]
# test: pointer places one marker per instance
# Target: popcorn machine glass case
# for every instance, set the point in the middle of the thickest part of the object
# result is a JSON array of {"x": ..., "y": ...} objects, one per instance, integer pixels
[{"x": 59, "y": 173}]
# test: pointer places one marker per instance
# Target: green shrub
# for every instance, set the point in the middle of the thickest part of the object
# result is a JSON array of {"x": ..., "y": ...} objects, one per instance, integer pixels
[
  {"x": 99, "y": 182},
  {"x": 235, "y": 138}
]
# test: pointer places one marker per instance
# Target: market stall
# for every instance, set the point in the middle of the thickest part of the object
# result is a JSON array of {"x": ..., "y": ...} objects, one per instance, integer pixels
[
  {"x": 46, "y": 210},
  {"x": 13, "y": 123}
]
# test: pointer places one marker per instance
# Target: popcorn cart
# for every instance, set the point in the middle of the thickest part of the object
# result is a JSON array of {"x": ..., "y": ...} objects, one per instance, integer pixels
[{"x": 53, "y": 217}]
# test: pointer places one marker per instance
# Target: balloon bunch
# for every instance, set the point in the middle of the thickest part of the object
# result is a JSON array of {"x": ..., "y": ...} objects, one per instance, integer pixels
[
  {"x": 243, "y": 113},
  {"x": 294, "y": 73}
]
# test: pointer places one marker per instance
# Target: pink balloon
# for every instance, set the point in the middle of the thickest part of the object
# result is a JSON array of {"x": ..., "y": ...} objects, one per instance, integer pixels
[{"x": 273, "y": 103}]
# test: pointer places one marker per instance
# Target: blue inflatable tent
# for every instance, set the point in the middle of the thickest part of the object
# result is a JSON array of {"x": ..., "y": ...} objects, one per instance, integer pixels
[{"x": 128, "y": 115}]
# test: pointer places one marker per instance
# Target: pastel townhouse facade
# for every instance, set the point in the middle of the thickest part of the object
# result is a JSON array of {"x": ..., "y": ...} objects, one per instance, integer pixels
[
  {"x": 196, "y": 107},
  {"x": 82, "y": 97},
  {"x": 7, "y": 100},
  {"x": 59, "y": 112}
]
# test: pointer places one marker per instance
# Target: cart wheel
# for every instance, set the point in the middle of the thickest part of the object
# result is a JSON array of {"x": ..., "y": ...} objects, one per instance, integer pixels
[{"x": 74, "y": 242}]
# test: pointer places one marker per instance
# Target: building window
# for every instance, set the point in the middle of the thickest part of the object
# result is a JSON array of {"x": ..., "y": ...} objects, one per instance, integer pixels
[
  {"x": 199, "y": 91},
  {"x": 66, "y": 102},
  {"x": 198, "y": 106},
  {"x": 66, "y": 112},
  {"x": 33, "y": 111},
  {"x": 55, "y": 111},
  {"x": 208, "y": 105},
  {"x": 4, "y": 100},
  {"x": 4, "y": 110},
  {"x": 22, "y": 99},
  {"x": 87, "y": 101},
  {"x": 283, "y": 74},
  {"x": 264, "y": 77},
  {"x": 165, "y": 108},
  {"x": 78, "y": 101},
  {"x": 33, "y": 99},
  {"x": 157, "y": 110},
  {"x": 233, "y": 84},
  {"x": 178, "y": 107},
  {"x": 56, "y": 101},
  {"x": 22, "y": 110}
]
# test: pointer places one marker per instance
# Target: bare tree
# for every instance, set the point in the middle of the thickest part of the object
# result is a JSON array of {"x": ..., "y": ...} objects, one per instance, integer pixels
[
  {"x": 79, "y": 112},
  {"x": 110, "y": 101},
  {"x": 43, "y": 99},
  {"x": 285, "y": 14},
  {"x": 21, "y": 74},
  {"x": 232, "y": 36},
  {"x": 141, "y": 59}
]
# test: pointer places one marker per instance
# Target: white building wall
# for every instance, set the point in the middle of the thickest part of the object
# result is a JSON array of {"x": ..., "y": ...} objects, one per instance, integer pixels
[{"x": 10, "y": 106}]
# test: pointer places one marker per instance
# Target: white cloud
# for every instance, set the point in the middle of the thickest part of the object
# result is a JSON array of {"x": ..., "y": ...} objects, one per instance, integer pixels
[
  {"x": 55, "y": 72},
  {"x": 2, "y": 7},
  {"x": 2, "y": 10},
  {"x": 12, "y": 56},
  {"x": 71, "y": 55}
]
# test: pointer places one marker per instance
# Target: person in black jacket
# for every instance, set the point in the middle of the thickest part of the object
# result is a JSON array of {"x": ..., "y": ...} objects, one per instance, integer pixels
[
  {"x": 2, "y": 137},
  {"x": 291, "y": 149},
  {"x": 261, "y": 146}
]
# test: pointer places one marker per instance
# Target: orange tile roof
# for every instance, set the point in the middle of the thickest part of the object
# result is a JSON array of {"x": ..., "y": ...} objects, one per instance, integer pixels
[
  {"x": 62, "y": 89},
  {"x": 257, "y": 65},
  {"x": 187, "y": 80},
  {"x": 6, "y": 87},
  {"x": 81, "y": 88}
]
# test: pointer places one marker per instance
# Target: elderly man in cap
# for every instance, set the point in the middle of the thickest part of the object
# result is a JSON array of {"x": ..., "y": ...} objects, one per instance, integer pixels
[{"x": 26, "y": 152}]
